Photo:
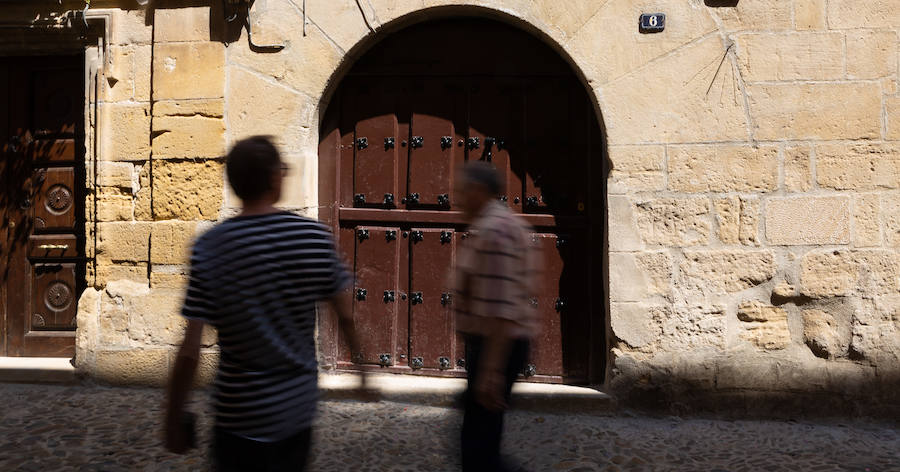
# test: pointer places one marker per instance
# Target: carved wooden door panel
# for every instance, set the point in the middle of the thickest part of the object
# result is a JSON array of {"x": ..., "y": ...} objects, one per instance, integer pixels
[{"x": 44, "y": 265}]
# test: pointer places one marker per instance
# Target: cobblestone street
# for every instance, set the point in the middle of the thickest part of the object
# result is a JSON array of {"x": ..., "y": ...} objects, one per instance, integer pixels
[{"x": 58, "y": 428}]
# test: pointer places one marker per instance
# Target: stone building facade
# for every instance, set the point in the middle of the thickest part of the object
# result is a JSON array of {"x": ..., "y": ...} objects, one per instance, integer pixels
[{"x": 752, "y": 192}]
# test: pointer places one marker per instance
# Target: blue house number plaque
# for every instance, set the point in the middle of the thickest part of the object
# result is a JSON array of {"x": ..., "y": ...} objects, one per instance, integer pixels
[{"x": 653, "y": 22}]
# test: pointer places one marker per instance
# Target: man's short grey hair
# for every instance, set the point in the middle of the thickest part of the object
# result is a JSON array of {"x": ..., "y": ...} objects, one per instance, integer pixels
[{"x": 482, "y": 173}]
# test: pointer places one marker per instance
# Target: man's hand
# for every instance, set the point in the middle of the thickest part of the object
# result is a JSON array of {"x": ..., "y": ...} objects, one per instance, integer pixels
[
  {"x": 176, "y": 436},
  {"x": 489, "y": 391}
]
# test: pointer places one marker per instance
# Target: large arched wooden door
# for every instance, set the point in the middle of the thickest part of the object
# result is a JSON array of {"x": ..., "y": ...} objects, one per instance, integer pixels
[{"x": 410, "y": 111}]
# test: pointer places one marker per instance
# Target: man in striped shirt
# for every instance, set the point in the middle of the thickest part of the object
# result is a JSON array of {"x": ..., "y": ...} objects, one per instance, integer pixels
[
  {"x": 494, "y": 285},
  {"x": 256, "y": 278}
]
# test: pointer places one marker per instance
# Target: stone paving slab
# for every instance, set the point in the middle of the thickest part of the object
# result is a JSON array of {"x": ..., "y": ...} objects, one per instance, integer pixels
[{"x": 91, "y": 428}]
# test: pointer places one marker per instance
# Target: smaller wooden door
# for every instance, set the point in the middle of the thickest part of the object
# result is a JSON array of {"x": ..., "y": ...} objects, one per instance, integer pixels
[{"x": 41, "y": 208}]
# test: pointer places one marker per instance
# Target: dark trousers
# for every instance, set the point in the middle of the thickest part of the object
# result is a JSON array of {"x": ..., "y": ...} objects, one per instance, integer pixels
[
  {"x": 233, "y": 453},
  {"x": 482, "y": 429}
]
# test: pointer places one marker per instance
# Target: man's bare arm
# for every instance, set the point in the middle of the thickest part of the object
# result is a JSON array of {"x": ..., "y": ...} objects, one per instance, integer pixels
[{"x": 180, "y": 385}]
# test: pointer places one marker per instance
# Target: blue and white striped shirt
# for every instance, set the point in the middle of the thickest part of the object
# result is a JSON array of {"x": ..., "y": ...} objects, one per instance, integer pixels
[{"x": 256, "y": 279}]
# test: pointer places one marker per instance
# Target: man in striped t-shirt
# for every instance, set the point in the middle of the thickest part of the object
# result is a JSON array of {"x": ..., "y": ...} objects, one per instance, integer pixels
[
  {"x": 256, "y": 278},
  {"x": 494, "y": 285}
]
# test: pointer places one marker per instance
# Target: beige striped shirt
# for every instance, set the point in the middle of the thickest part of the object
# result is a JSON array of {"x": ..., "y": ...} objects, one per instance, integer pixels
[{"x": 499, "y": 261}]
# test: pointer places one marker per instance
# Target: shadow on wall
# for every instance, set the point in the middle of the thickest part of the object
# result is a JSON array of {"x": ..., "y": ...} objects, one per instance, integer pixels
[
  {"x": 757, "y": 388},
  {"x": 721, "y": 3}
]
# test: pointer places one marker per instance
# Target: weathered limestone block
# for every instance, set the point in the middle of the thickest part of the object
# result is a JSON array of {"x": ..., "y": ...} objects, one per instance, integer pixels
[
  {"x": 754, "y": 311},
  {"x": 634, "y": 277},
  {"x": 189, "y": 190},
  {"x": 143, "y": 72},
  {"x": 823, "y": 334},
  {"x": 878, "y": 270},
  {"x": 827, "y": 274},
  {"x": 149, "y": 317},
  {"x": 726, "y": 271},
  {"x": 858, "y": 166},
  {"x": 170, "y": 242},
  {"x": 892, "y": 117},
  {"x": 123, "y": 242},
  {"x": 839, "y": 273},
  {"x": 761, "y": 14},
  {"x": 305, "y": 65},
  {"x": 636, "y": 169},
  {"x": 142, "y": 198},
  {"x": 188, "y": 70},
  {"x": 177, "y": 281},
  {"x": 124, "y": 132},
  {"x": 738, "y": 219},
  {"x": 890, "y": 209},
  {"x": 871, "y": 54},
  {"x": 764, "y": 326},
  {"x": 636, "y": 324},
  {"x": 207, "y": 367},
  {"x": 744, "y": 372},
  {"x": 117, "y": 83},
  {"x": 634, "y": 112},
  {"x": 110, "y": 272},
  {"x": 207, "y": 108},
  {"x": 869, "y": 14},
  {"x": 791, "y": 56},
  {"x": 257, "y": 106},
  {"x": 809, "y": 14},
  {"x": 658, "y": 267},
  {"x": 693, "y": 327},
  {"x": 797, "y": 172},
  {"x": 181, "y": 24},
  {"x": 623, "y": 231},
  {"x": 130, "y": 27},
  {"x": 723, "y": 168},
  {"x": 183, "y": 137},
  {"x": 816, "y": 111},
  {"x": 115, "y": 174},
  {"x": 877, "y": 343},
  {"x": 808, "y": 220},
  {"x": 867, "y": 220},
  {"x": 614, "y": 23},
  {"x": 113, "y": 205},
  {"x": 674, "y": 222},
  {"x": 149, "y": 367},
  {"x": 87, "y": 332}
]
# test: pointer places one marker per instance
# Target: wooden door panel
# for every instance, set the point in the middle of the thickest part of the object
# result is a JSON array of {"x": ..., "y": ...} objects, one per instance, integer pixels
[
  {"x": 572, "y": 246},
  {"x": 55, "y": 99},
  {"x": 377, "y": 267},
  {"x": 42, "y": 151},
  {"x": 548, "y": 346},
  {"x": 53, "y": 290},
  {"x": 54, "y": 200},
  {"x": 431, "y": 335},
  {"x": 53, "y": 246},
  {"x": 495, "y": 133},
  {"x": 557, "y": 175},
  {"x": 435, "y": 144}
]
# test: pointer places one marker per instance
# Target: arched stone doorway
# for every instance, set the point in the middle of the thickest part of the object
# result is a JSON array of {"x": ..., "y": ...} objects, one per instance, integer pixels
[{"x": 411, "y": 109}]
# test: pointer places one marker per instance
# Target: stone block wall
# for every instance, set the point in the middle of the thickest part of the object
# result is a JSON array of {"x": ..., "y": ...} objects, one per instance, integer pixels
[{"x": 753, "y": 193}]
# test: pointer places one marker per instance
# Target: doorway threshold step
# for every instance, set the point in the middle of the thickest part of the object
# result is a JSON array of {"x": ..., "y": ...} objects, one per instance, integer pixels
[
  {"x": 56, "y": 370},
  {"x": 446, "y": 392}
]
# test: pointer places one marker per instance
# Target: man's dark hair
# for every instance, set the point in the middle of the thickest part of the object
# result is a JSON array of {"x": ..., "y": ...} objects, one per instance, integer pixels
[
  {"x": 482, "y": 173},
  {"x": 250, "y": 165}
]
